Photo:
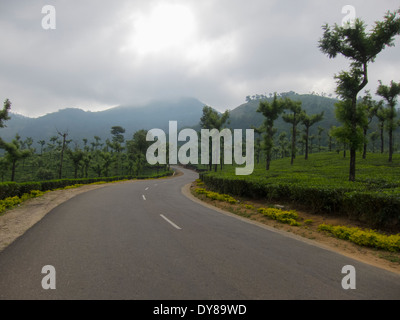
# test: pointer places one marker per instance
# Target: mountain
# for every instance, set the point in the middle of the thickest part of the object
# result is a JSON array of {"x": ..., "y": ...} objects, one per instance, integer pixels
[
  {"x": 246, "y": 115},
  {"x": 157, "y": 114},
  {"x": 85, "y": 124}
]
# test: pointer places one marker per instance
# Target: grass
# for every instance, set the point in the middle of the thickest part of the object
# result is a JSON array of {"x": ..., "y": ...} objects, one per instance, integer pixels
[
  {"x": 329, "y": 169},
  {"x": 321, "y": 185}
]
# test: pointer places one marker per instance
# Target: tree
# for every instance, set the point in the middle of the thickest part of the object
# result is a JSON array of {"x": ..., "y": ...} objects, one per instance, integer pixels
[
  {"x": 390, "y": 93},
  {"x": 373, "y": 137},
  {"x": 211, "y": 119},
  {"x": 341, "y": 135},
  {"x": 107, "y": 161},
  {"x": 14, "y": 153},
  {"x": 257, "y": 146},
  {"x": 64, "y": 136},
  {"x": 294, "y": 118},
  {"x": 117, "y": 133},
  {"x": 320, "y": 131},
  {"x": 330, "y": 137},
  {"x": 117, "y": 141},
  {"x": 309, "y": 121},
  {"x": 361, "y": 48},
  {"x": 4, "y": 116},
  {"x": 283, "y": 143},
  {"x": 42, "y": 143},
  {"x": 76, "y": 156},
  {"x": 137, "y": 148},
  {"x": 87, "y": 158},
  {"x": 369, "y": 108},
  {"x": 271, "y": 112}
]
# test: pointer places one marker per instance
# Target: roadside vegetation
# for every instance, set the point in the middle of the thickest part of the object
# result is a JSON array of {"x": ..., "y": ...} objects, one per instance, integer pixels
[{"x": 324, "y": 228}]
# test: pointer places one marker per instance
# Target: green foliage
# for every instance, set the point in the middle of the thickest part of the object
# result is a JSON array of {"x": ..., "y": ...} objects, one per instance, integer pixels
[
  {"x": 211, "y": 119},
  {"x": 271, "y": 112},
  {"x": 11, "y": 189},
  {"x": 284, "y": 216},
  {"x": 4, "y": 116},
  {"x": 216, "y": 196},
  {"x": 390, "y": 93},
  {"x": 368, "y": 238},
  {"x": 361, "y": 48},
  {"x": 320, "y": 184},
  {"x": 11, "y": 202}
]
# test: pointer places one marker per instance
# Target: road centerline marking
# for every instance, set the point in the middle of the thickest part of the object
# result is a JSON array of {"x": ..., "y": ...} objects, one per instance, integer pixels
[
  {"x": 170, "y": 222},
  {"x": 146, "y": 189},
  {"x": 144, "y": 198}
]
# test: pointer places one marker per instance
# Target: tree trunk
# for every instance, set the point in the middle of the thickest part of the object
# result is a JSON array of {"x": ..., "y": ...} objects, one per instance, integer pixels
[
  {"x": 390, "y": 144},
  {"x": 293, "y": 142},
  {"x": 62, "y": 155},
  {"x": 13, "y": 170},
  {"x": 382, "y": 139},
  {"x": 352, "y": 173},
  {"x": 364, "y": 156},
  {"x": 306, "y": 157},
  {"x": 268, "y": 160}
]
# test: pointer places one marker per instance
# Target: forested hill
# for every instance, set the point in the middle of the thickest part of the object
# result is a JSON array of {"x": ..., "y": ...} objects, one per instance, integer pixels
[
  {"x": 246, "y": 114},
  {"x": 187, "y": 111},
  {"x": 83, "y": 124}
]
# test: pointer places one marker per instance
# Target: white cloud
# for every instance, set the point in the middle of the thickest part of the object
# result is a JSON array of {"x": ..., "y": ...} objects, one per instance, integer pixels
[{"x": 126, "y": 52}]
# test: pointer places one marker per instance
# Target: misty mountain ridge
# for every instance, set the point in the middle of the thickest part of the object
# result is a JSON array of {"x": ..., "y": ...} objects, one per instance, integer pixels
[
  {"x": 81, "y": 124},
  {"x": 187, "y": 112}
]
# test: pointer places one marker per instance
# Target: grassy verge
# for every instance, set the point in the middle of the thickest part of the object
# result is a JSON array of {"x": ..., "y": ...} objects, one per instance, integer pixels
[
  {"x": 328, "y": 229},
  {"x": 321, "y": 185}
]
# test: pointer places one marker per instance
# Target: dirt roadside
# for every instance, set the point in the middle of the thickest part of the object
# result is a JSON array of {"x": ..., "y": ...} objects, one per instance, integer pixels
[{"x": 15, "y": 222}]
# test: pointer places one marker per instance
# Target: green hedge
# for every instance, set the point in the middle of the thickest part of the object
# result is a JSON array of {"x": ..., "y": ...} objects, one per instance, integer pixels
[
  {"x": 380, "y": 209},
  {"x": 12, "y": 189}
]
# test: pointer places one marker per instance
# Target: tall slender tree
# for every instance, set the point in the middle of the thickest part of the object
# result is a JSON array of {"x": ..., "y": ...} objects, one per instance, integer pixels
[
  {"x": 271, "y": 112},
  {"x": 14, "y": 153},
  {"x": 381, "y": 114},
  {"x": 294, "y": 118},
  {"x": 361, "y": 48},
  {"x": 64, "y": 143},
  {"x": 308, "y": 121},
  {"x": 211, "y": 119},
  {"x": 370, "y": 109},
  {"x": 390, "y": 93}
]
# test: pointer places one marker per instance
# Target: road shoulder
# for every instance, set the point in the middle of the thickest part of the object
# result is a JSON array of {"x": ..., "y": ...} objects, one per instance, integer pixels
[{"x": 365, "y": 255}]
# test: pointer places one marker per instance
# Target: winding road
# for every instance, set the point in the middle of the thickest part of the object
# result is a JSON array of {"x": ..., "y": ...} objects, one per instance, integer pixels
[{"x": 148, "y": 240}]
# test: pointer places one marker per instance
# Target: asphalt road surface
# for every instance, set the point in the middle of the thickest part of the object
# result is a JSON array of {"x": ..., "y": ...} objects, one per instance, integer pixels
[{"x": 146, "y": 240}]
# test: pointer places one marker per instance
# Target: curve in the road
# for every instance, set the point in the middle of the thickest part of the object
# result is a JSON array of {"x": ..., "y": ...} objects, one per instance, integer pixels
[{"x": 147, "y": 240}]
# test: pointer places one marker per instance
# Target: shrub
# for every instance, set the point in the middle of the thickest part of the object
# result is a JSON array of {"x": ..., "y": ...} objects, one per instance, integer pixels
[
  {"x": 216, "y": 196},
  {"x": 284, "y": 216},
  {"x": 368, "y": 238}
]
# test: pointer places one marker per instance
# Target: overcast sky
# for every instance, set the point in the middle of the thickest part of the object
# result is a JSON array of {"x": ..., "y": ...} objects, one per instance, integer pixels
[{"x": 108, "y": 53}]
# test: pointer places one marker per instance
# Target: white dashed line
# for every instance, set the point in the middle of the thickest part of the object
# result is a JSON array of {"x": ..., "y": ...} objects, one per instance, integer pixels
[
  {"x": 146, "y": 189},
  {"x": 170, "y": 222},
  {"x": 144, "y": 198}
]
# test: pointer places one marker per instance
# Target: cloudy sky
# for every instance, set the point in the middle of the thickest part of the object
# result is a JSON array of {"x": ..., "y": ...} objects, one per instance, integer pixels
[{"x": 107, "y": 53}]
